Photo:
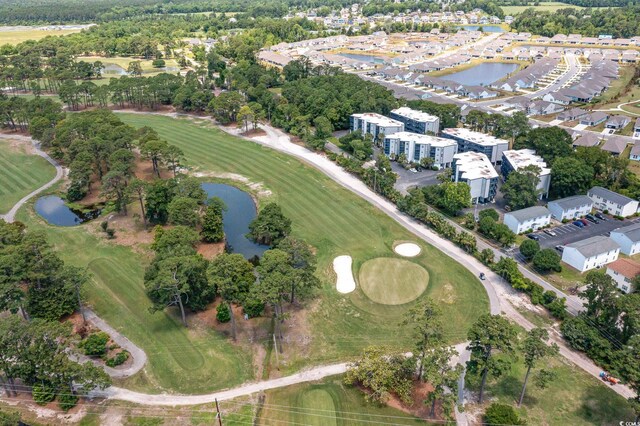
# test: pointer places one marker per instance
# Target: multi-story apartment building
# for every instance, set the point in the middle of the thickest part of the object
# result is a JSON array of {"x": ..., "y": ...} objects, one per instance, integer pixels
[
  {"x": 513, "y": 160},
  {"x": 416, "y": 147},
  {"x": 476, "y": 170},
  {"x": 416, "y": 121},
  {"x": 374, "y": 124},
  {"x": 470, "y": 141}
]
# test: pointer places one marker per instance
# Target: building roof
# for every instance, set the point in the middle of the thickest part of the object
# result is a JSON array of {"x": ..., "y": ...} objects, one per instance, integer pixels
[
  {"x": 519, "y": 158},
  {"x": 475, "y": 137},
  {"x": 614, "y": 144},
  {"x": 474, "y": 165},
  {"x": 632, "y": 232},
  {"x": 415, "y": 114},
  {"x": 378, "y": 119},
  {"x": 594, "y": 246},
  {"x": 421, "y": 139},
  {"x": 572, "y": 202},
  {"x": 635, "y": 150},
  {"x": 587, "y": 140},
  {"x": 529, "y": 213},
  {"x": 609, "y": 195},
  {"x": 625, "y": 267}
]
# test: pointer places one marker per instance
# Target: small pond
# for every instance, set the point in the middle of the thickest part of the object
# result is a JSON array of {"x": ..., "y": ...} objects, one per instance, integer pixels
[
  {"x": 482, "y": 74},
  {"x": 364, "y": 58},
  {"x": 485, "y": 28},
  {"x": 241, "y": 210},
  {"x": 53, "y": 209},
  {"x": 114, "y": 69}
]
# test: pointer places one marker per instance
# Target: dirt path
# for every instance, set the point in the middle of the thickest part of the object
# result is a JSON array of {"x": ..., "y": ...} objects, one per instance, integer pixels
[{"x": 10, "y": 216}]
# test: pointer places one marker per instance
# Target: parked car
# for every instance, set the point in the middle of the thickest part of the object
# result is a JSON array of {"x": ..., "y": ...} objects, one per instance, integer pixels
[
  {"x": 550, "y": 232},
  {"x": 601, "y": 216},
  {"x": 585, "y": 222},
  {"x": 592, "y": 218},
  {"x": 560, "y": 248},
  {"x": 534, "y": 237},
  {"x": 579, "y": 224}
]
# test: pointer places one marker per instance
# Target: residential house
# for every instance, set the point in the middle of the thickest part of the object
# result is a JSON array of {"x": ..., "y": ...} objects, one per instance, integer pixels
[
  {"x": 476, "y": 170},
  {"x": 591, "y": 253},
  {"x": 617, "y": 122},
  {"x": 614, "y": 145},
  {"x": 531, "y": 218},
  {"x": 570, "y": 207},
  {"x": 628, "y": 237},
  {"x": 624, "y": 272},
  {"x": 418, "y": 146},
  {"x": 572, "y": 114},
  {"x": 594, "y": 118},
  {"x": 587, "y": 140},
  {"x": 612, "y": 202},
  {"x": 516, "y": 160},
  {"x": 557, "y": 98},
  {"x": 634, "y": 155},
  {"x": 375, "y": 124}
]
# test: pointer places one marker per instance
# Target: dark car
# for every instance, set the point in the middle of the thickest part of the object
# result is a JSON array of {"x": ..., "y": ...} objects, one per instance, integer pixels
[
  {"x": 601, "y": 216},
  {"x": 560, "y": 248},
  {"x": 592, "y": 218},
  {"x": 482, "y": 276},
  {"x": 533, "y": 237},
  {"x": 579, "y": 224}
]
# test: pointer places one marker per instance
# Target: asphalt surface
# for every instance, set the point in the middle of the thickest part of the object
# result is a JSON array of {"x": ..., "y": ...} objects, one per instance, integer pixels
[{"x": 569, "y": 233}]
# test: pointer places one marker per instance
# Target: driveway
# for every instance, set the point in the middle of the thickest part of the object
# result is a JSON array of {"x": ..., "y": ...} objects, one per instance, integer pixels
[
  {"x": 407, "y": 180},
  {"x": 569, "y": 233}
]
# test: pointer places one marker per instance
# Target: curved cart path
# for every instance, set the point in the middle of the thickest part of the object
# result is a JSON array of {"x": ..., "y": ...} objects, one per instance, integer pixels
[{"x": 10, "y": 216}]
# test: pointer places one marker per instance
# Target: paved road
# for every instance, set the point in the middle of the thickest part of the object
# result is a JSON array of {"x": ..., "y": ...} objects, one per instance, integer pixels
[{"x": 10, "y": 216}]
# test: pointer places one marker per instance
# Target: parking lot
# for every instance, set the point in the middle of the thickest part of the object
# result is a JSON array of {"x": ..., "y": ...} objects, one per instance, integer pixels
[
  {"x": 407, "y": 180},
  {"x": 569, "y": 233}
]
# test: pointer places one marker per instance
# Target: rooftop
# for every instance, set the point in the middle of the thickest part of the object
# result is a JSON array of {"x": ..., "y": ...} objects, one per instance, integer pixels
[
  {"x": 474, "y": 165},
  {"x": 529, "y": 213},
  {"x": 378, "y": 119},
  {"x": 421, "y": 139},
  {"x": 414, "y": 114},
  {"x": 610, "y": 195},
  {"x": 594, "y": 246},
  {"x": 520, "y": 158},
  {"x": 632, "y": 231},
  {"x": 573, "y": 202},
  {"x": 476, "y": 137},
  {"x": 626, "y": 267}
]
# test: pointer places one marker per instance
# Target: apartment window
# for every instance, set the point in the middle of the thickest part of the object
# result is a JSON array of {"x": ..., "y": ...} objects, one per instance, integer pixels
[{"x": 625, "y": 288}]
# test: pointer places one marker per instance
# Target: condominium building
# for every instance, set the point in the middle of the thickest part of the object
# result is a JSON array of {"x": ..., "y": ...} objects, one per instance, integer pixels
[
  {"x": 591, "y": 253},
  {"x": 416, "y": 147},
  {"x": 416, "y": 121},
  {"x": 476, "y": 170},
  {"x": 375, "y": 124},
  {"x": 470, "y": 141},
  {"x": 518, "y": 159}
]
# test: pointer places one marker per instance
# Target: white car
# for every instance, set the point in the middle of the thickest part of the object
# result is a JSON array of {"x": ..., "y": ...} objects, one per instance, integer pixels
[{"x": 550, "y": 232}]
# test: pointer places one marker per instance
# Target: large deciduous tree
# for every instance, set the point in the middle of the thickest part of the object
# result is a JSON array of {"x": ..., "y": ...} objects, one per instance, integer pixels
[
  {"x": 270, "y": 226},
  {"x": 520, "y": 190}
]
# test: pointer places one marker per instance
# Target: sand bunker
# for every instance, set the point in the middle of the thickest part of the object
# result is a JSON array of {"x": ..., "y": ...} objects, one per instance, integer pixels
[
  {"x": 407, "y": 249},
  {"x": 345, "y": 282}
]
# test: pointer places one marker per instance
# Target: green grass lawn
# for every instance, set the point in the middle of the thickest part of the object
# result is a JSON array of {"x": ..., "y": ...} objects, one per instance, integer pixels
[
  {"x": 573, "y": 397},
  {"x": 327, "y": 403},
  {"x": 20, "y": 173},
  {"x": 123, "y": 62},
  {"x": 18, "y": 36},
  {"x": 551, "y": 6},
  {"x": 335, "y": 222},
  {"x": 392, "y": 281},
  {"x": 332, "y": 219}
]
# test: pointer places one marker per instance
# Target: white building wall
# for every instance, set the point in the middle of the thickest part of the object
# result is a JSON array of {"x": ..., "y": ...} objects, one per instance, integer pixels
[
  {"x": 627, "y": 246},
  {"x": 520, "y": 227},
  {"x": 615, "y": 209},
  {"x": 560, "y": 214},
  {"x": 573, "y": 257},
  {"x": 622, "y": 282}
]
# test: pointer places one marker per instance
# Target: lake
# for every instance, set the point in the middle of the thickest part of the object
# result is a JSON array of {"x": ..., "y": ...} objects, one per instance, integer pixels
[
  {"x": 114, "y": 69},
  {"x": 482, "y": 74},
  {"x": 485, "y": 28},
  {"x": 364, "y": 58},
  {"x": 241, "y": 210},
  {"x": 53, "y": 209}
]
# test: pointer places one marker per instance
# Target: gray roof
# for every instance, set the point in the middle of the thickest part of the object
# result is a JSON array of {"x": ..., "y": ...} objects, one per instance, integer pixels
[
  {"x": 615, "y": 145},
  {"x": 632, "y": 232},
  {"x": 594, "y": 246},
  {"x": 572, "y": 202},
  {"x": 530, "y": 213},
  {"x": 606, "y": 194}
]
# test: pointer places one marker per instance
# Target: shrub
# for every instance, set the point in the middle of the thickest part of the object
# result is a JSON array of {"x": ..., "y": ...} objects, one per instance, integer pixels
[
  {"x": 118, "y": 359},
  {"x": 67, "y": 400},
  {"x": 222, "y": 313},
  {"x": 547, "y": 260},
  {"x": 492, "y": 213},
  {"x": 95, "y": 344},
  {"x": 502, "y": 414},
  {"x": 253, "y": 307},
  {"x": 548, "y": 297},
  {"x": 104, "y": 225},
  {"x": 111, "y": 233},
  {"x": 76, "y": 191},
  {"x": 43, "y": 393}
]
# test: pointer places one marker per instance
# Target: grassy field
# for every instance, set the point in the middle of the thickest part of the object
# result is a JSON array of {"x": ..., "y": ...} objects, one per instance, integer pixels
[
  {"x": 572, "y": 398},
  {"x": 20, "y": 173},
  {"x": 18, "y": 36},
  {"x": 328, "y": 403},
  {"x": 335, "y": 222},
  {"x": 123, "y": 62},
  {"x": 546, "y": 7},
  {"x": 392, "y": 281}
]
